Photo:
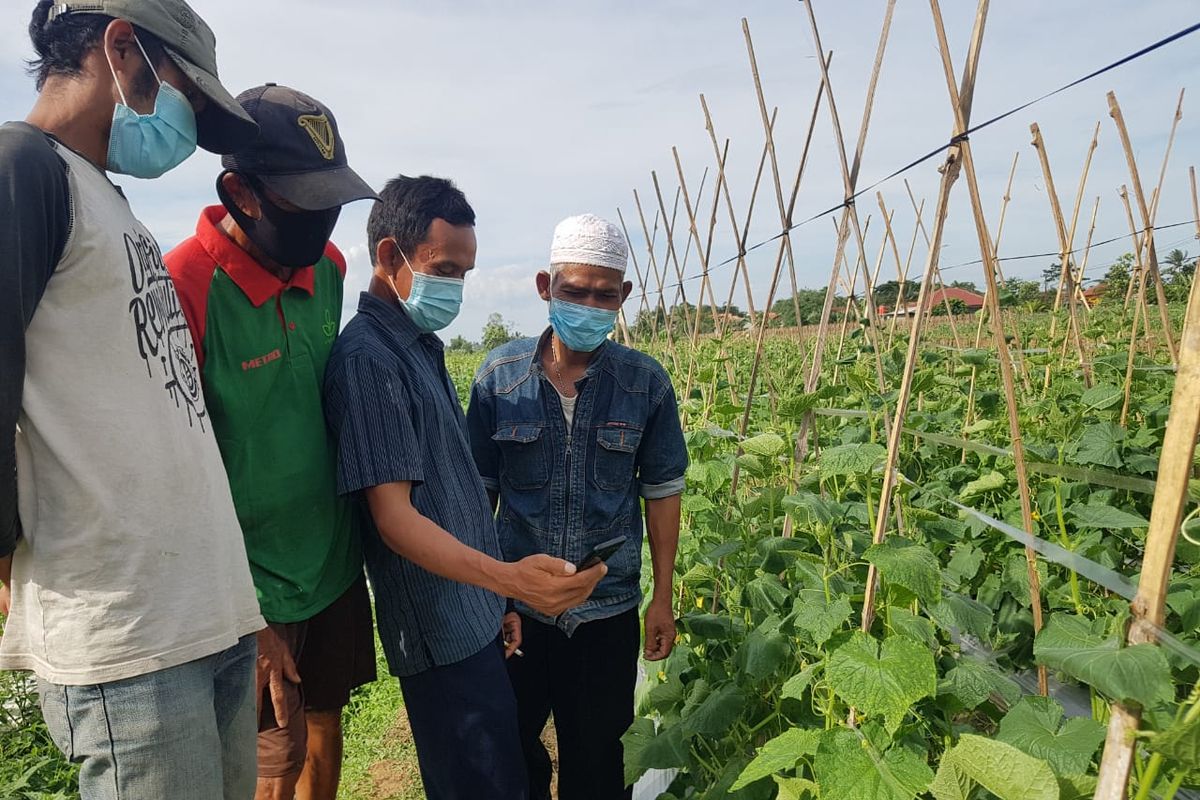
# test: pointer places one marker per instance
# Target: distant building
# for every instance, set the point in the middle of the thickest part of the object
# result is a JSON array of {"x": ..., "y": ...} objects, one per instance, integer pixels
[
  {"x": 937, "y": 299},
  {"x": 1095, "y": 294}
]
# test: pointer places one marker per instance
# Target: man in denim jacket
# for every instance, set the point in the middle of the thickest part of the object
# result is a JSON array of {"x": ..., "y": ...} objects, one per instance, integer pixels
[{"x": 570, "y": 433}]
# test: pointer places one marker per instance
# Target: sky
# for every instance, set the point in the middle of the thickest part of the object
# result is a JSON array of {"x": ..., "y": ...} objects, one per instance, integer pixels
[{"x": 540, "y": 110}]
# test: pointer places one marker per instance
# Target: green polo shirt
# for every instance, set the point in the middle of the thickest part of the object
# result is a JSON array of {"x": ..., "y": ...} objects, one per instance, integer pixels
[{"x": 262, "y": 345}]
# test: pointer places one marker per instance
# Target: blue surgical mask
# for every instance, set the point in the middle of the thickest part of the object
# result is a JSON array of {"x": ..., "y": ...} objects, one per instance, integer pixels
[
  {"x": 146, "y": 146},
  {"x": 581, "y": 328},
  {"x": 433, "y": 302}
]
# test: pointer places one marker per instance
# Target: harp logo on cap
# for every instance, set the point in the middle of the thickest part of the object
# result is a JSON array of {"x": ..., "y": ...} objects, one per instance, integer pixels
[{"x": 321, "y": 132}]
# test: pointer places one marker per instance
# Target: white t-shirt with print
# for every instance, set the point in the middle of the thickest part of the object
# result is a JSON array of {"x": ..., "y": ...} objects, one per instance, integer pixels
[{"x": 132, "y": 558}]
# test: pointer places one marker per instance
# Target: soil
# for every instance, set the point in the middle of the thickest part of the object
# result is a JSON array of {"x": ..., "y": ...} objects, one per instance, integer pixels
[{"x": 399, "y": 779}]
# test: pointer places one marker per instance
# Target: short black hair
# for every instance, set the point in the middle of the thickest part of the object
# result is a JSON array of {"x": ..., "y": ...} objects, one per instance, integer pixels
[
  {"x": 408, "y": 206},
  {"x": 62, "y": 44}
]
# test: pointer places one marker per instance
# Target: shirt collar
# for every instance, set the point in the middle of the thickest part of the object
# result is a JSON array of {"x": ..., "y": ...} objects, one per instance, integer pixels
[
  {"x": 391, "y": 316},
  {"x": 597, "y": 360},
  {"x": 256, "y": 283}
]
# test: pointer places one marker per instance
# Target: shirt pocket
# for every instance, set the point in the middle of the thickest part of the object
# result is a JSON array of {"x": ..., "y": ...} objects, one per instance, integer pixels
[
  {"x": 525, "y": 462},
  {"x": 616, "y": 449}
]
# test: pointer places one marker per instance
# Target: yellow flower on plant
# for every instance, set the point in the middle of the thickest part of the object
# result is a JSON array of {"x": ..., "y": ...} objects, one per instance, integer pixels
[{"x": 699, "y": 602}]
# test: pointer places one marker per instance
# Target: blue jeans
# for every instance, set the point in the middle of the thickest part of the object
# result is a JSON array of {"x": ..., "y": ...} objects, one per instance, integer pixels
[{"x": 185, "y": 733}]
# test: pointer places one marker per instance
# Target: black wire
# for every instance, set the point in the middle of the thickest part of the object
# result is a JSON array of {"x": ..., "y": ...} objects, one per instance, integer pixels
[{"x": 953, "y": 141}]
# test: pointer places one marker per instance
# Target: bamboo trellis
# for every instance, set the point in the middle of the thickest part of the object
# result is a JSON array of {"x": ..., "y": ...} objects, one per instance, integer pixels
[{"x": 852, "y": 272}]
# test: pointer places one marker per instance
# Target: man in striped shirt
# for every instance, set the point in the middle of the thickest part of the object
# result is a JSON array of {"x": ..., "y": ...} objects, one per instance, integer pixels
[{"x": 430, "y": 539}]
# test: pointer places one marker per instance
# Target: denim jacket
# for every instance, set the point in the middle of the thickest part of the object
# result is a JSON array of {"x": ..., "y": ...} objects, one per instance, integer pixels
[{"x": 564, "y": 491}]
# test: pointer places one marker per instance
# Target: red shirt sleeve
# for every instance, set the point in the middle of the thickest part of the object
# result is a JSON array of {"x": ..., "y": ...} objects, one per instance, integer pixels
[{"x": 335, "y": 255}]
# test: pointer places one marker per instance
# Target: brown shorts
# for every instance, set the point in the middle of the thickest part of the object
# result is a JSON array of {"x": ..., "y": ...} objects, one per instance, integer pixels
[{"x": 334, "y": 653}]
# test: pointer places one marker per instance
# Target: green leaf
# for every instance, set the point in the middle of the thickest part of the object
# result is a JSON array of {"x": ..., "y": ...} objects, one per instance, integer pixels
[
  {"x": 904, "y": 622},
  {"x": 990, "y": 482},
  {"x": 909, "y": 565},
  {"x": 762, "y": 654},
  {"x": 811, "y": 509},
  {"x": 699, "y": 573},
  {"x": 645, "y": 750},
  {"x": 965, "y": 562},
  {"x": 958, "y": 614},
  {"x": 708, "y": 626},
  {"x": 1181, "y": 743},
  {"x": 999, "y": 768},
  {"x": 766, "y": 593},
  {"x": 1101, "y": 444},
  {"x": 765, "y": 444},
  {"x": 1138, "y": 674},
  {"x": 1103, "y": 517},
  {"x": 1102, "y": 397},
  {"x": 714, "y": 715},
  {"x": 973, "y": 682},
  {"x": 819, "y": 619},
  {"x": 850, "y": 459},
  {"x": 795, "y": 686},
  {"x": 794, "y": 788},
  {"x": 979, "y": 426},
  {"x": 884, "y": 681},
  {"x": 975, "y": 357},
  {"x": 780, "y": 754},
  {"x": 779, "y": 551},
  {"x": 848, "y": 768},
  {"x": 1035, "y": 726}
]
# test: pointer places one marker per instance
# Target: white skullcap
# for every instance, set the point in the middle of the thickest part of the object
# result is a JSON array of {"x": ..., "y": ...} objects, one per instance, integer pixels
[{"x": 588, "y": 239}]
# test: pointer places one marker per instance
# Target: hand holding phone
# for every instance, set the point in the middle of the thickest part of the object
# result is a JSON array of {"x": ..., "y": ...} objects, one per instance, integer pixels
[{"x": 602, "y": 552}]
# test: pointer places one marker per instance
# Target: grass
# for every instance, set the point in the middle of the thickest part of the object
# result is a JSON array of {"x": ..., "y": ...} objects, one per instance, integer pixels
[{"x": 380, "y": 761}]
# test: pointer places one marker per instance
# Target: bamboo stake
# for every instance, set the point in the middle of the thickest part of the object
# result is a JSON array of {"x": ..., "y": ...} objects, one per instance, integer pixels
[
  {"x": 1065, "y": 247},
  {"x": 937, "y": 276},
  {"x": 983, "y": 312},
  {"x": 903, "y": 277},
  {"x": 1006, "y": 370},
  {"x": 950, "y": 172},
  {"x": 1087, "y": 249},
  {"x": 785, "y": 221},
  {"x": 1147, "y": 220},
  {"x": 644, "y": 306},
  {"x": 849, "y": 214},
  {"x": 851, "y": 304},
  {"x": 723, "y": 185},
  {"x": 1170, "y": 497},
  {"x": 764, "y": 318},
  {"x": 669, "y": 230},
  {"x": 1195, "y": 200},
  {"x": 702, "y": 254},
  {"x": 653, "y": 266}
]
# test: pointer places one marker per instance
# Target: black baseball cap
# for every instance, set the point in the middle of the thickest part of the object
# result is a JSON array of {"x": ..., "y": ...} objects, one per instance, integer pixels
[
  {"x": 299, "y": 153},
  {"x": 223, "y": 126}
]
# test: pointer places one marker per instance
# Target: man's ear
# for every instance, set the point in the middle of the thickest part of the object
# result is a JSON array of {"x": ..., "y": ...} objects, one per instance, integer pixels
[
  {"x": 626, "y": 288},
  {"x": 387, "y": 255},
  {"x": 543, "y": 285},
  {"x": 117, "y": 47},
  {"x": 240, "y": 193}
]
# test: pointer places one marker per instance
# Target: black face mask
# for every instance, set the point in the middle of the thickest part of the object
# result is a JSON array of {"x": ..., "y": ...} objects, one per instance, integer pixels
[{"x": 289, "y": 238}]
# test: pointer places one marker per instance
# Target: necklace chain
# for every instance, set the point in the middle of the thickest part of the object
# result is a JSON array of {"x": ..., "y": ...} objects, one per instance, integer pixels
[{"x": 557, "y": 369}]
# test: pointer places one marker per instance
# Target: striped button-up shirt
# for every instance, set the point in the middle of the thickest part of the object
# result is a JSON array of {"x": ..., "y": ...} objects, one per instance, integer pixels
[{"x": 394, "y": 416}]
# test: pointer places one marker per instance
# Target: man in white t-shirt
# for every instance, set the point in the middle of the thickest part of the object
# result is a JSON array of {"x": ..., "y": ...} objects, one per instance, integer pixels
[{"x": 131, "y": 597}]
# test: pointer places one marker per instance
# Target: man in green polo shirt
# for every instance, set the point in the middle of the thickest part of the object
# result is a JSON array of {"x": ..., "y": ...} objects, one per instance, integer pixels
[{"x": 261, "y": 288}]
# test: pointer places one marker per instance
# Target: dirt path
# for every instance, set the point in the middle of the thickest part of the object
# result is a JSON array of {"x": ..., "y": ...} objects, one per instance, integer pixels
[{"x": 400, "y": 779}]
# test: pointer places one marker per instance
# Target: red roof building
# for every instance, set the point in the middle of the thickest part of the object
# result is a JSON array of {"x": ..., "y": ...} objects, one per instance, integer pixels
[{"x": 937, "y": 299}]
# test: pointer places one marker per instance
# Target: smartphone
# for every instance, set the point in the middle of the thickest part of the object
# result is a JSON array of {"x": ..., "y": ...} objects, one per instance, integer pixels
[{"x": 601, "y": 552}]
